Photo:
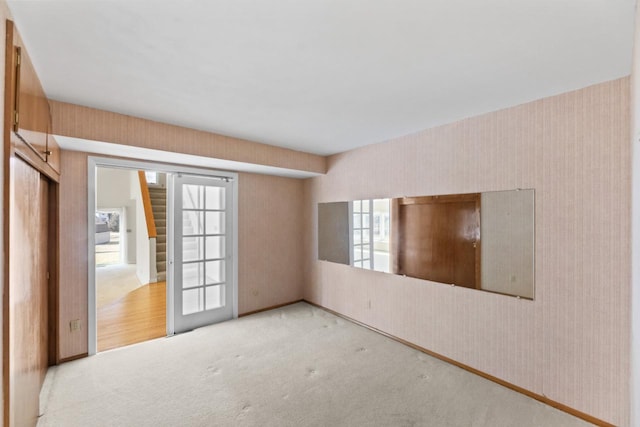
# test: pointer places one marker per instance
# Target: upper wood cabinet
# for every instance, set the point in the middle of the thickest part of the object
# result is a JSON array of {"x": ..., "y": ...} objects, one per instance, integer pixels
[
  {"x": 27, "y": 111},
  {"x": 53, "y": 155}
]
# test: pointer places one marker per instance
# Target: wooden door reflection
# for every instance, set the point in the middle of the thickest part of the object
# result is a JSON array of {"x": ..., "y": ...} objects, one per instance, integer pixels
[{"x": 437, "y": 238}]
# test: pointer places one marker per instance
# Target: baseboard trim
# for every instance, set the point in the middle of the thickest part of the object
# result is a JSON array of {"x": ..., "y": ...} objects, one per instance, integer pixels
[
  {"x": 538, "y": 397},
  {"x": 273, "y": 307},
  {"x": 72, "y": 358}
]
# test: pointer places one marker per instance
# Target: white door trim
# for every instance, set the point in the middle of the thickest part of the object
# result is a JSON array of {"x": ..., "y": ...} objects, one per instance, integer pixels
[{"x": 95, "y": 162}]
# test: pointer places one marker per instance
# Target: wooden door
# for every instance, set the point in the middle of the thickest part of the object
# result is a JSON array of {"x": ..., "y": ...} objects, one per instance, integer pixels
[
  {"x": 28, "y": 292},
  {"x": 437, "y": 238}
]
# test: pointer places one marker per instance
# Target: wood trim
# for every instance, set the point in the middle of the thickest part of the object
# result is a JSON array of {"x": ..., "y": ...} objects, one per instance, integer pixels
[
  {"x": 17, "y": 52},
  {"x": 44, "y": 168},
  {"x": 8, "y": 125},
  {"x": 146, "y": 202},
  {"x": 53, "y": 303},
  {"x": 445, "y": 198},
  {"x": 72, "y": 358},
  {"x": 538, "y": 397},
  {"x": 273, "y": 307}
]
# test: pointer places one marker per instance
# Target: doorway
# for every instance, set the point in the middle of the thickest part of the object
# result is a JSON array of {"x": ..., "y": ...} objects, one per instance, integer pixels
[
  {"x": 169, "y": 297},
  {"x": 130, "y": 294}
]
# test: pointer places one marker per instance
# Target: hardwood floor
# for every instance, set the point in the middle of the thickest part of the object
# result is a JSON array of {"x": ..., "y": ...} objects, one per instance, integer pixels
[{"x": 138, "y": 316}]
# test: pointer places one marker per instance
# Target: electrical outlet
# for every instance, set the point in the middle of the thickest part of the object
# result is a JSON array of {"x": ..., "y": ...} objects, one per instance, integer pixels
[{"x": 75, "y": 325}]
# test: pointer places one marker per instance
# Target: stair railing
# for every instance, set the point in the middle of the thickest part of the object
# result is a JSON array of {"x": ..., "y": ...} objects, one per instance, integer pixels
[{"x": 146, "y": 202}]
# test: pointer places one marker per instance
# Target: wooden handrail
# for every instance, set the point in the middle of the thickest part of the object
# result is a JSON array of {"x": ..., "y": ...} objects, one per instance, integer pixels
[{"x": 146, "y": 202}]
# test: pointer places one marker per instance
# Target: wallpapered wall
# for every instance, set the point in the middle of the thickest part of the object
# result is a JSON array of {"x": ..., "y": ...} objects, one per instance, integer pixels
[
  {"x": 571, "y": 344},
  {"x": 270, "y": 247}
]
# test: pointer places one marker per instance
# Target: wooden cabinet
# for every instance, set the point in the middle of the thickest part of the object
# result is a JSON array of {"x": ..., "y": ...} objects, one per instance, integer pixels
[
  {"x": 30, "y": 116},
  {"x": 53, "y": 156},
  {"x": 27, "y": 303},
  {"x": 32, "y": 168}
]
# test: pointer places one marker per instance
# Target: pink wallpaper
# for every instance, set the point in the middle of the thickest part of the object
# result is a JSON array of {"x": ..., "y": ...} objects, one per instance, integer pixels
[
  {"x": 269, "y": 245},
  {"x": 74, "y": 241},
  {"x": 635, "y": 251},
  {"x": 99, "y": 125},
  {"x": 269, "y": 242},
  {"x": 571, "y": 344}
]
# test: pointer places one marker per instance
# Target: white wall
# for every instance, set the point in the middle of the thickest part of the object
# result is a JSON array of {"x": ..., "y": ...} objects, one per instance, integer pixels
[{"x": 113, "y": 190}]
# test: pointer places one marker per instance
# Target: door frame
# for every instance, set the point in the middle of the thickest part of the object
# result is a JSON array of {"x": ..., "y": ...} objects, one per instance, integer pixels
[{"x": 115, "y": 163}]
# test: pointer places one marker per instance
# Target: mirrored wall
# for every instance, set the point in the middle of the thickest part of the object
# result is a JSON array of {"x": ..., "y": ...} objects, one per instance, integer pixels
[{"x": 482, "y": 241}]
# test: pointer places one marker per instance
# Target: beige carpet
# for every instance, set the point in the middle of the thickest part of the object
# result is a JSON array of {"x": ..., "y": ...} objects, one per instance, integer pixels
[
  {"x": 114, "y": 282},
  {"x": 296, "y": 366}
]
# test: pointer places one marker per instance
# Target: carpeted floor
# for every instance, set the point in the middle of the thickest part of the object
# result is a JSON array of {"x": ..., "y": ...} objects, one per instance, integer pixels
[
  {"x": 114, "y": 282},
  {"x": 295, "y": 366}
]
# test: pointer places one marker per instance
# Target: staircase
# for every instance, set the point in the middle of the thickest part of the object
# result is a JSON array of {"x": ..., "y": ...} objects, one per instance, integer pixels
[{"x": 159, "y": 206}]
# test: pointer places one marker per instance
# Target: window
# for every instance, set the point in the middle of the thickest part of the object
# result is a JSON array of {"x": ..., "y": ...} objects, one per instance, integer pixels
[
  {"x": 370, "y": 234},
  {"x": 152, "y": 177},
  {"x": 380, "y": 244},
  {"x": 362, "y": 234}
]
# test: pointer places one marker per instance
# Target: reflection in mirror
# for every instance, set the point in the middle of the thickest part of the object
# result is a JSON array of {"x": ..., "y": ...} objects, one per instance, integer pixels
[
  {"x": 333, "y": 236},
  {"x": 508, "y": 234},
  {"x": 436, "y": 238},
  {"x": 370, "y": 234},
  {"x": 482, "y": 240}
]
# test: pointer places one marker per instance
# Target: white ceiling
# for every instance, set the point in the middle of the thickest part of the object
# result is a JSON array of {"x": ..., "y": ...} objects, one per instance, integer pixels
[{"x": 321, "y": 76}]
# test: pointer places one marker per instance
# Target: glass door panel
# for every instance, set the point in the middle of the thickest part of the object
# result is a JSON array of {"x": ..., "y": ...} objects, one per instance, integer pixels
[{"x": 203, "y": 273}]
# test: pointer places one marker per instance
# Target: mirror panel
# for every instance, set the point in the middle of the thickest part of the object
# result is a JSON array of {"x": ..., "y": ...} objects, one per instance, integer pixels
[
  {"x": 508, "y": 235},
  {"x": 482, "y": 241},
  {"x": 333, "y": 235},
  {"x": 437, "y": 238}
]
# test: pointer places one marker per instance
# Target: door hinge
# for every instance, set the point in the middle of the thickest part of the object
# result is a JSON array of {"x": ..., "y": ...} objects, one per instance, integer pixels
[
  {"x": 48, "y": 276},
  {"x": 15, "y": 118},
  {"x": 18, "y": 57}
]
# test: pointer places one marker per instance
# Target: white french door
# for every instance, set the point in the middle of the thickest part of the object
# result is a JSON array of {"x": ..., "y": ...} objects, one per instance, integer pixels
[{"x": 202, "y": 255}]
